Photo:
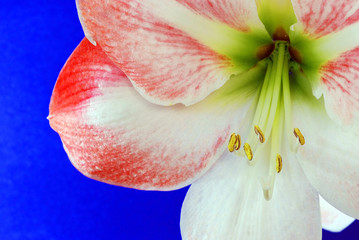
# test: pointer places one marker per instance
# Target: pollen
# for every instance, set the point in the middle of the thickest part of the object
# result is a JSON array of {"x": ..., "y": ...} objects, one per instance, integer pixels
[
  {"x": 259, "y": 133},
  {"x": 299, "y": 135},
  {"x": 248, "y": 151},
  {"x": 279, "y": 163},
  {"x": 238, "y": 142},
  {"x": 234, "y": 142}
]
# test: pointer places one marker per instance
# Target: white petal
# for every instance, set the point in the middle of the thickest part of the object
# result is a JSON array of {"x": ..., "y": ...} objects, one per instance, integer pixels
[
  {"x": 332, "y": 219},
  {"x": 329, "y": 157},
  {"x": 228, "y": 203}
]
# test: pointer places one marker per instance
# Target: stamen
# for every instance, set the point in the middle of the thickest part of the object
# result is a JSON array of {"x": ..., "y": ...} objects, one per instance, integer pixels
[
  {"x": 248, "y": 151},
  {"x": 238, "y": 142},
  {"x": 287, "y": 104},
  {"x": 299, "y": 135},
  {"x": 279, "y": 163},
  {"x": 259, "y": 133},
  {"x": 276, "y": 92},
  {"x": 234, "y": 142}
]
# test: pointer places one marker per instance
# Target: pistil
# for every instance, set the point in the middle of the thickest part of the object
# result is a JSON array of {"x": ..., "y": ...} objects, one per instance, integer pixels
[
  {"x": 267, "y": 106},
  {"x": 272, "y": 120}
]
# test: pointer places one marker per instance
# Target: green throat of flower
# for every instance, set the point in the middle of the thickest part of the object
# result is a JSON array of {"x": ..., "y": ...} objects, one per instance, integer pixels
[{"x": 272, "y": 121}]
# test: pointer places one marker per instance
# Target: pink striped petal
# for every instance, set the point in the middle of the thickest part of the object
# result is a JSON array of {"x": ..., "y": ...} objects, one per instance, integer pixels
[
  {"x": 173, "y": 51},
  {"x": 321, "y": 17},
  {"x": 113, "y": 135},
  {"x": 237, "y": 14},
  {"x": 329, "y": 156},
  {"x": 340, "y": 87},
  {"x": 331, "y": 61}
]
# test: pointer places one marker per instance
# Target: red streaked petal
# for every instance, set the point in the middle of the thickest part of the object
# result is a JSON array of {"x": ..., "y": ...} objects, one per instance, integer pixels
[
  {"x": 161, "y": 45},
  {"x": 322, "y": 17},
  {"x": 340, "y": 86},
  {"x": 113, "y": 135},
  {"x": 237, "y": 14}
]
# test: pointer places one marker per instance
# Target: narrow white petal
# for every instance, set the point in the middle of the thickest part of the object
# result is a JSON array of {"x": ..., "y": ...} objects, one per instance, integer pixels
[
  {"x": 332, "y": 219},
  {"x": 329, "y": 157}
]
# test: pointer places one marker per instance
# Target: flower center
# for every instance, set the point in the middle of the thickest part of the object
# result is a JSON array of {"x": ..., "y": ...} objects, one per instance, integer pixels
[{"x": 272, "y": 121}]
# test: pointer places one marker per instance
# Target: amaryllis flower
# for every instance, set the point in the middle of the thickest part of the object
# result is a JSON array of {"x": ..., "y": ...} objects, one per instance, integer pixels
[{"x": 254, "y": 103}]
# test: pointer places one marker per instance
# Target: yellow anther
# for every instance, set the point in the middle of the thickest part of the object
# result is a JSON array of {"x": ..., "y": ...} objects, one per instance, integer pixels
[
  {"x": 279, "y": 163},
  {"x": 248, "y": 151},
  {"x": 238, "y": 142},
  {"x": 259, "y": 133},
  {"x": 234, "y": 142},
  {"x": 299, "y": 135}
]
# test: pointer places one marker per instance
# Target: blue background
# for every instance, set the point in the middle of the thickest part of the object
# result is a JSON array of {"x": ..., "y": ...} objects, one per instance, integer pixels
[{"x": 41, "y": 195}]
